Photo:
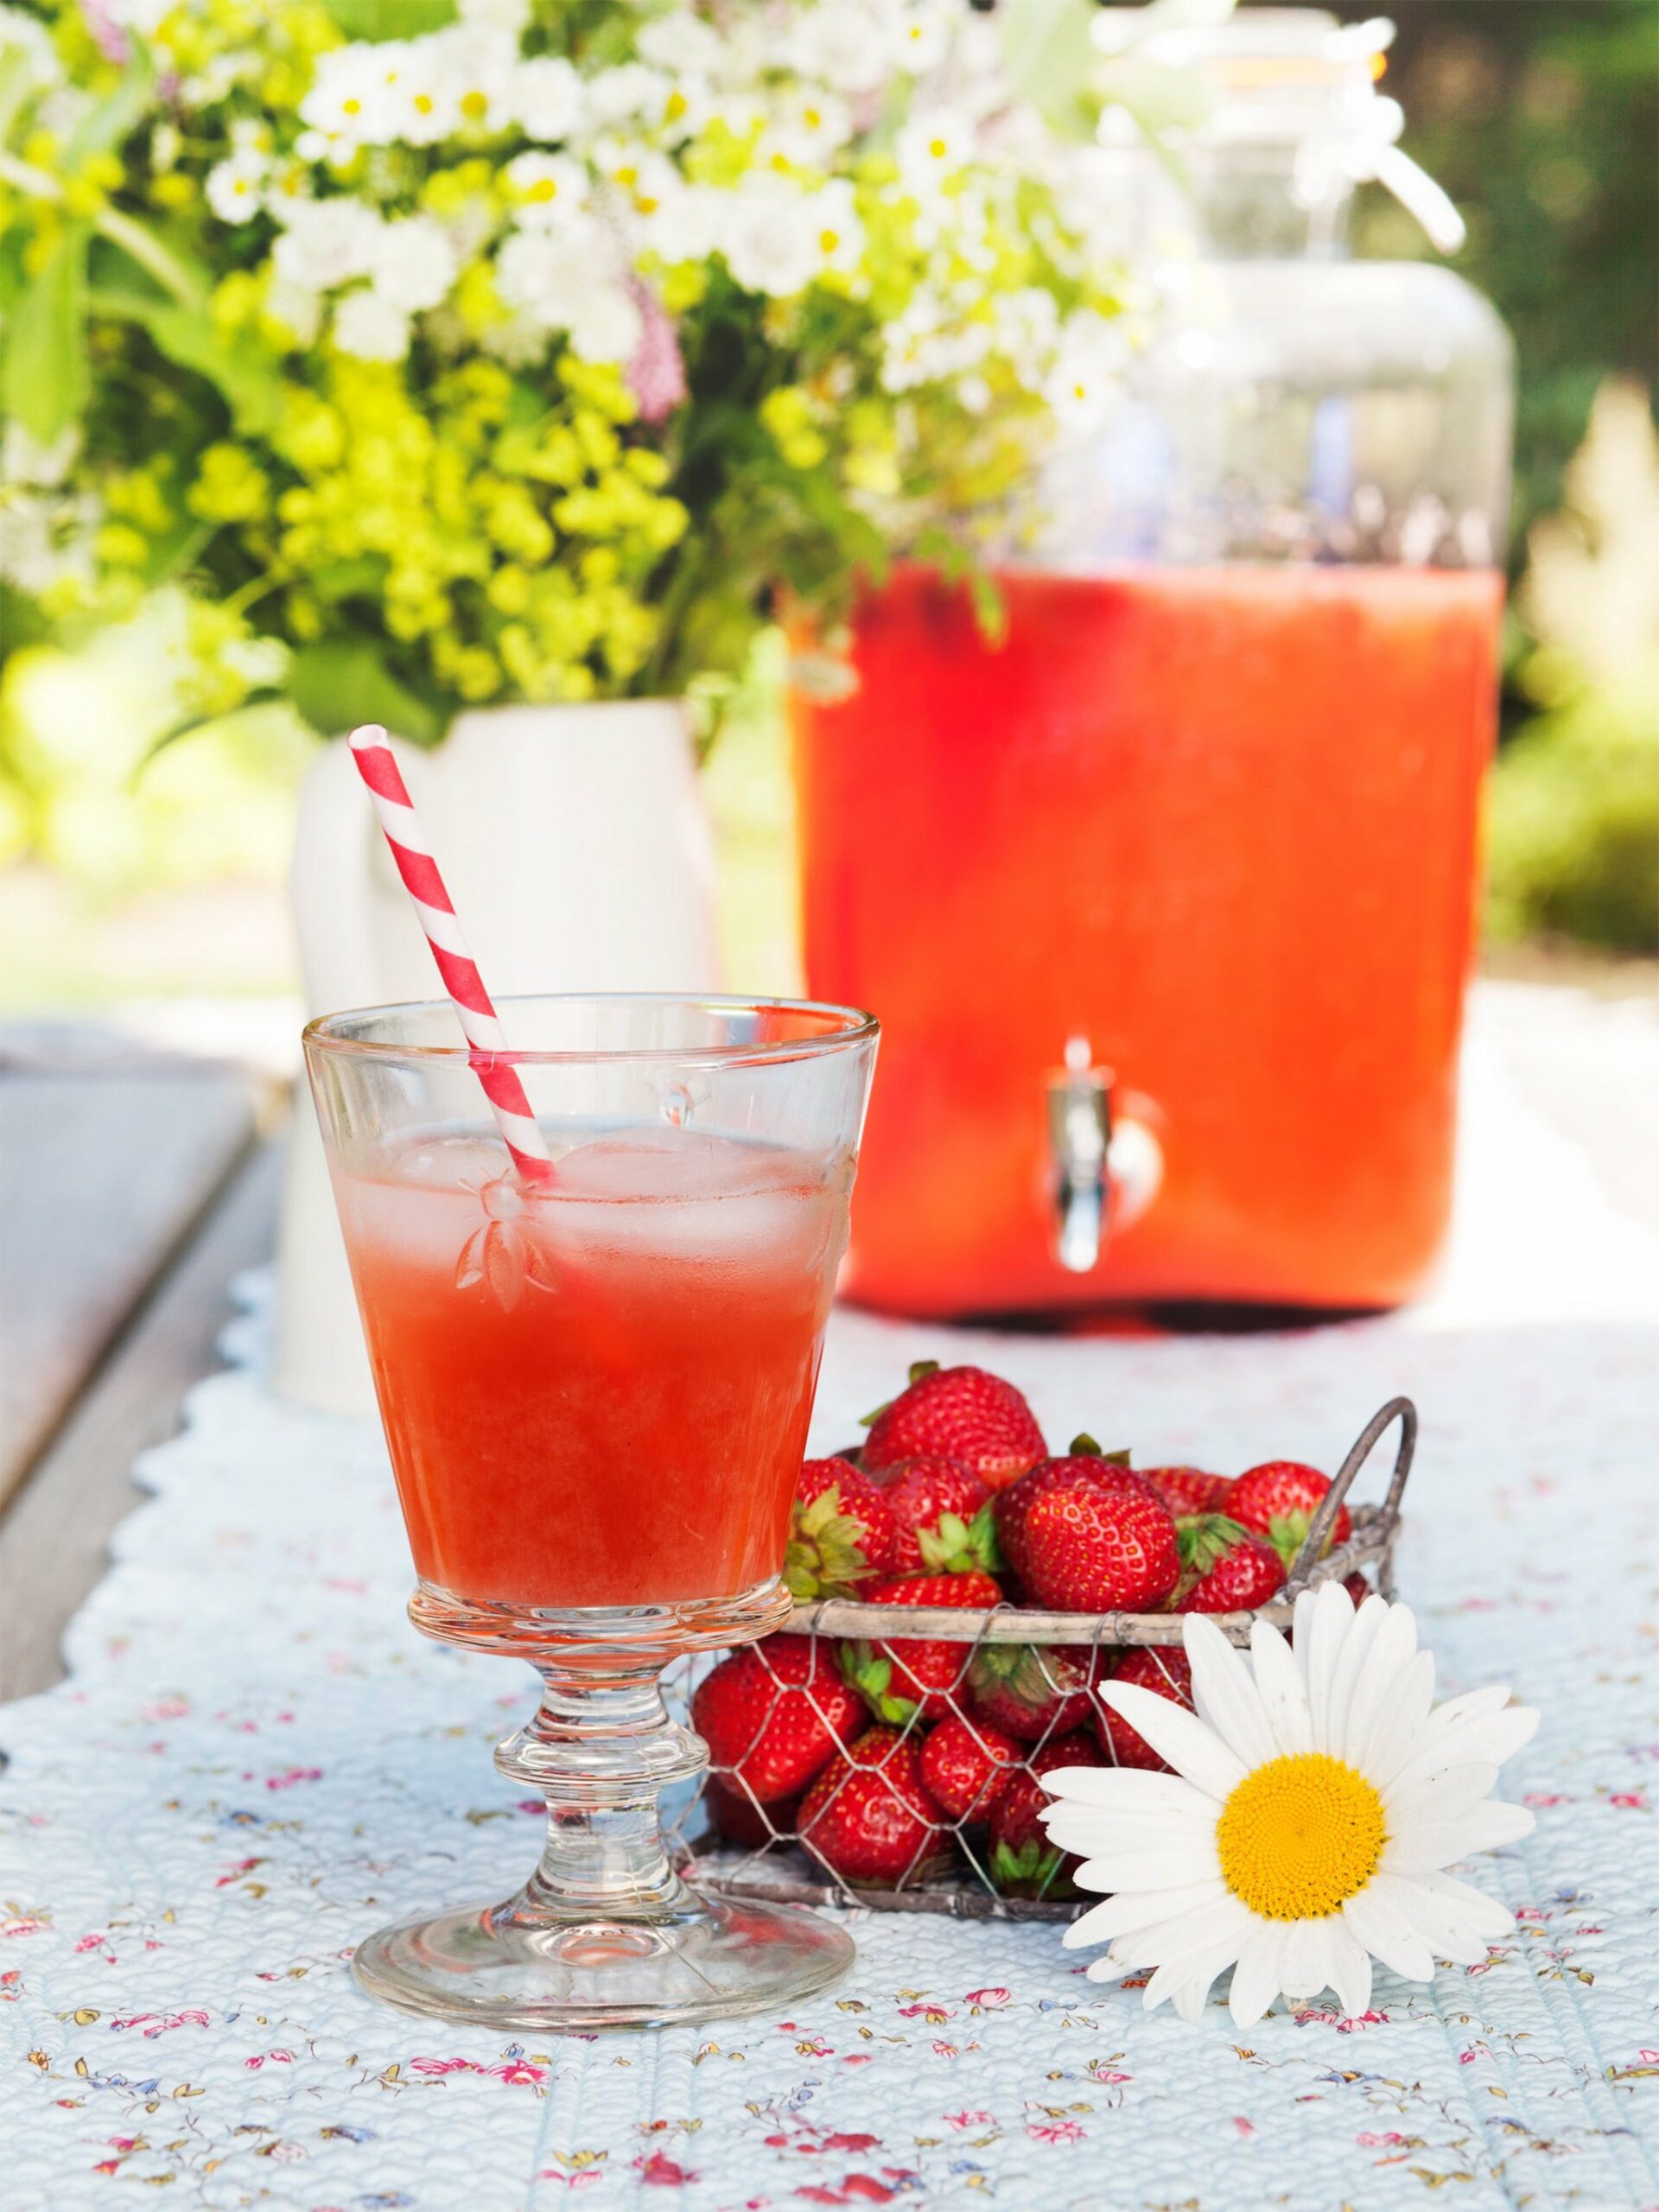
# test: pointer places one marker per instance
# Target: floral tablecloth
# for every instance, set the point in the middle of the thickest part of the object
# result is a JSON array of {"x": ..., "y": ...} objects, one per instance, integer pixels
[{"x": 255, "y": 1760}]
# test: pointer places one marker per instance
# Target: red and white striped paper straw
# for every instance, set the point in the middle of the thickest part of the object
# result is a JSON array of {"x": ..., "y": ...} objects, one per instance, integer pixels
[{"x": 377, "y": 766}]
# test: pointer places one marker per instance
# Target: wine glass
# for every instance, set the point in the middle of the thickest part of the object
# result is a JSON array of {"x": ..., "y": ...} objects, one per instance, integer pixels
[{"x": 595, "y": 1390}]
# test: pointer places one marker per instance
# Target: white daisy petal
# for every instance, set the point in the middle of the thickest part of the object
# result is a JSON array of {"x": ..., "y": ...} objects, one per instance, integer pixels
[
  {"x": 1324, "y": 1619},
  {"x": 1399, "y": 1724},
  {"x": 1179, "y": 1738},
  {"x": 1196, "y": 1970},
  {"x": 1440, "y": 1797},
  {"x": 1434, "y": 1844},
  {"x": 1307, "y": 1962},
  {"x": 1392, "y": 1649},
  {"x": 1351, "y": 1968},
  {"x": 1377, "y": 1922},
  {"x": 1225, "y": 1696},
  {"x": 1192, "y": 1997},
  {"x": 1094, "y": 1834},
  {"x": 1437, "y": 1921},
  {"x": 1347, "y": 1665},
  {"x": 1152, "y": 1870},
  {"x": 1280, "y": 1685},
  {"x": 1128, "y": 1789},
  {"x": 1188, "y": 1936},
  {"x": 1257, "y": 1977},
  {"x": 1490, "y": 1731},
  {"x": 1121, "y": 1916},
  {"x": 1486, "y": 1915}
]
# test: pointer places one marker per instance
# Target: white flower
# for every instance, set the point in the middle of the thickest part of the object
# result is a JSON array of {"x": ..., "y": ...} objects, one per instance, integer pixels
[
  {"x": 235, "y": 187},
  {"x": 920, "y": 36},
  {"x": 45, "y": 537},
  {"x": 414, "y": 263},
  {"x": 479, "y": 65},
  {"x": 767, "y": 235},
  {"x": 807, "y": 128},
  {"x": 1317, "y": 1797},
  {"x": 427, "y": 103},
  {"x": 296, "y": 307},
  {"x": 641, "y": 178},
  {"x": 547, "y": 100},
  {"x": 840, "y": 43},
  {"x": 370, "y": 328},
  {"x": 682, "y": 43},
  {"x": 606, "y": 325},
  {"x": 353, "y": 98},
  {"x": 26, "y": 47},
  {"x": 624, "y": 94},
  {"x": 551, "y": 190},
  {"x": 685, "y": 225},
  {"x": 23, "y": 461},
  {"x": 935, "y": 146},
  {"x": 326, "y": 242},
  {"x": 553, "y": 279},
  {"x": 1087, "y": 378},
  {"x": 836, "y": 230}
]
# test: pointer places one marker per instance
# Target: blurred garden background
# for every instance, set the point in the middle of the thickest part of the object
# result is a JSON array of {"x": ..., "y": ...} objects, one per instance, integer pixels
[{"x": 131, "y": 873}]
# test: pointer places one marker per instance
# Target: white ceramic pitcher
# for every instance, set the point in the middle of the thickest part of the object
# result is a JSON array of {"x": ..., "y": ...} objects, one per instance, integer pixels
[{"x": 575, "y": 845}]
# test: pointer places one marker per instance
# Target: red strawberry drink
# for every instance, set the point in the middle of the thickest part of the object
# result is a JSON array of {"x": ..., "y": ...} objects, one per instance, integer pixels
[{"x": 596, "y": 1393}]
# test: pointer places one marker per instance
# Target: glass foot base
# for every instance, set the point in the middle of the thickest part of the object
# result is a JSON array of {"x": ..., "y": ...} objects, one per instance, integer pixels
[{"x": 509, "y": 1966}]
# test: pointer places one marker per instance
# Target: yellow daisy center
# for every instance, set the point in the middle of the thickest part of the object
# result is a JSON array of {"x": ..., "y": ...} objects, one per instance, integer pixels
[{"x": 1299, "y": 1836}]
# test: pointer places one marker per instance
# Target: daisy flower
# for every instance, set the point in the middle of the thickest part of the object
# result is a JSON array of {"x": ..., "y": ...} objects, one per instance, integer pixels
[
  {"x": 1318, "y": 1795},
  {"x": 235, "y": 187}
]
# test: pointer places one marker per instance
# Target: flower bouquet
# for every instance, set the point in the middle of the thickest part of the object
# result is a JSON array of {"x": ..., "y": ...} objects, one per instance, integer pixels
[{"x": 451, "y": 351}]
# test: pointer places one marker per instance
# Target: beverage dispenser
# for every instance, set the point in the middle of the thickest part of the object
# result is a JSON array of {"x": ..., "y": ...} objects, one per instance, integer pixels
[{"x": 1166, "y": 899}]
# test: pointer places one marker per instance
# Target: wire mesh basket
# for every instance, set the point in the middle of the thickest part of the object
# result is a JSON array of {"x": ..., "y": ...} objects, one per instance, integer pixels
[{"x": 979, "y": 1852}]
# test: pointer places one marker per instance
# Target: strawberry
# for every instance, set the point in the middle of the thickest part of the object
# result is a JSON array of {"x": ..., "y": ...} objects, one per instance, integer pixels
[
  {"x": 941, "y": 1515},
  {"x": 842, "y": 1531},
  {"x": 1030, "y": 1689},
  {"x": 1010, "y": 1507},
  {"x": 735, "y": 1817},
  {"x": 1088, "y": 1537},
  {"x": 1278, "y": 1500},
  {"x": 966, "y": 1766},
  {"x": 963, "y": 1413},
  {"x": 1358, "y": 1587},
  {"x": 900, "y": 1676},
  {"x": 867, "y": 1816},
  {"x": 1187, "y": 1490},
  {"x": 1224, "y": 1568},
  {"x": 1024, "y": 1863},
  {"x": 1169, "y": 1672},
  {"x": 774, "y": 1713}
]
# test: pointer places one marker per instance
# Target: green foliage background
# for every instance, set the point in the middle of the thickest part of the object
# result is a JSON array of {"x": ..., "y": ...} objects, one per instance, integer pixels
[{"x": 1541, "y": 119}]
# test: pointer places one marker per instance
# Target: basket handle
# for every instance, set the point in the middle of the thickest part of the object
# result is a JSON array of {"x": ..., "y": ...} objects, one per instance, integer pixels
[{"x": 1400, "y": 1410}]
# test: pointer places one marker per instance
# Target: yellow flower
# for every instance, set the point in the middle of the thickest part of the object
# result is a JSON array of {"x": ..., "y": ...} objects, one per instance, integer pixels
[{"x": 123, "y": 546}]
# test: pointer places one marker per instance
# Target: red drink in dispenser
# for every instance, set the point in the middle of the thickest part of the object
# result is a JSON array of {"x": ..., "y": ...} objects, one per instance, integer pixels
[
  {"x": 1166, "y": 900},
  {"x": 1218, "y": 821}
]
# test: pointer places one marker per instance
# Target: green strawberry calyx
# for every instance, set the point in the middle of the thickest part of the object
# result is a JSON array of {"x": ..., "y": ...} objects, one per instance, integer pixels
[
  {"x": 825, "y": 1554},
  {"x": 1206, "y": 1539},
  {"x": 920, "y": 1371},
  {"x": 1022, "y": 1672},
  {"x": 953, "y": 1546},
  {"x": 1083, "y": 1446},
  {"x": 1028, "y": 1868},
  {"x": 1287, "y": 1533},
  {"x": 872, "y": 1677}
]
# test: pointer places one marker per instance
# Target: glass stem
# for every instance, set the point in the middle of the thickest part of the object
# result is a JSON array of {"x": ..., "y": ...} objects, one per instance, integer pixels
[{"x": 600, "y": 1748}]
